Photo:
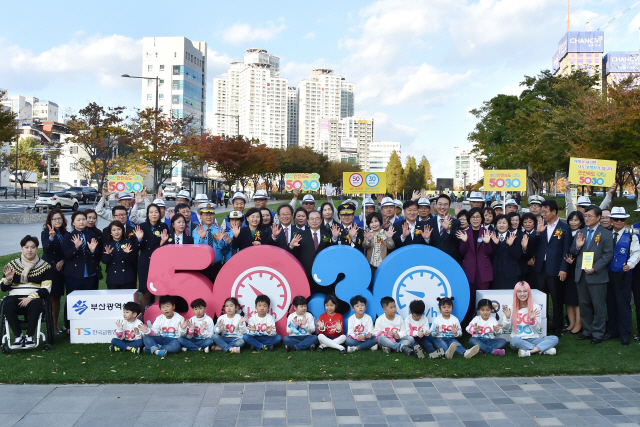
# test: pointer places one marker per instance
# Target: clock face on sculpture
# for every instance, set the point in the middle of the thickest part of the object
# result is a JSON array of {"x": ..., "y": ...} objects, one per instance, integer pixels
[
  {"x": 261, "y": 280},
  {"x": 421, "y": 282}
]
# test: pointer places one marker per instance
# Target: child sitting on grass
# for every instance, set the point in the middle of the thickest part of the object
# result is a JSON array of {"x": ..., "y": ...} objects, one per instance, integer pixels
[
  {"x": 445, "y": 328},
  {"x": 483, "y": 329},
  {"x": 360, "y": 330},
  {"x": 390, "y": 330},
  {"x": 330, "y": 326},
  {"x": 231, "y": 326},
  {"x": 300, "y": 327},
  {"x": 418, "y": 327},
  {"x": 199, "y": 329},
  {"x": 262, "y": 327},
  {"x": 128, "y": 336},
  {"x": 162, "y": 338}
]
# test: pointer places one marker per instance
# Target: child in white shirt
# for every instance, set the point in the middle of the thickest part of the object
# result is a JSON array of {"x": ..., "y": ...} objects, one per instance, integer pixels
[
  {"x": 162, "y": 338},
  {"x": 390, "y": 331},
  {"x": 231, "y": 326},
  {"x": 199, "y": 329},
  {"x": 483, "y": 329},
  {"x": 417, "y": 327},
  {"x": 360, "y": 327},
  {"x": 128, "y": 336},
  {"x": 262, "y": 327},
  {"x": 445, "y": 328},
  {"x": 301, "y": 327}
]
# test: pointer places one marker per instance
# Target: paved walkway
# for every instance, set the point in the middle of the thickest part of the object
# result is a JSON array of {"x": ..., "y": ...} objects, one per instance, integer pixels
[{"x": 552, "y": 401}]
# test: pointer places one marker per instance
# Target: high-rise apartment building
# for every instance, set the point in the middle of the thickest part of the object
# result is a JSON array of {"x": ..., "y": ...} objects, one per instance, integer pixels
[
  {"x": 292, "y": 116},
  {"x": 579, "y": 51},
  {"x": 252, "y": 98},
  {"x": 346, "y": 99},
  {"x": 380, "y": 153},
  {"x": 29, "y": 109},
  {"x": 345, "y": 139},
  {"x": 181, "y": 66},
  {"x": 320, "y": 96},
  {"x": 466, "y": 162}
]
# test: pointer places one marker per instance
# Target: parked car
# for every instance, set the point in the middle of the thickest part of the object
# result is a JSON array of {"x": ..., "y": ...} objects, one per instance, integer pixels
[
  {"x": 84, "y": 194},
  {"x": 8, "y": 190},
  {"x": 170, "y": 192},
  {"x": 57, "y": 199}
]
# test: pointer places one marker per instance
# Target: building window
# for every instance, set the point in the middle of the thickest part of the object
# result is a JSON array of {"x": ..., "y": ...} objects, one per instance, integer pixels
[
  {"x": 72, "y": 166},
  {"x": 175, "y": 54},
  {"x": 149, "y": 68},
  {"x": 161, "y": 96},
  {"x": 149, "y": 97},
  {"x": 149, "y": 82},
  {"x": 162, "y": 68},
  {"x": 161, "y": 82}
]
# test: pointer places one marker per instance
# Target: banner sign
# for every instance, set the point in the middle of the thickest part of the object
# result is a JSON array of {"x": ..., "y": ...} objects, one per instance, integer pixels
[
  {"x": 555, "y": 62},
  {"x": 364, "y": 182},
  {"x": 301, "y": 181},
  {"x": 348, "y": 145},
  {"x": 505, "y": 180},
  {"x": 622, "y": 62},
  {"x": 581, "y": 42},
  {"x": 128, "y": 183},
  {"x": 594, "y": 172}
]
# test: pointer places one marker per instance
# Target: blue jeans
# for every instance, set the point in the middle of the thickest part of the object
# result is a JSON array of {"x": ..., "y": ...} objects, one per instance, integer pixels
[
  {"x": 362, "y": 345},
  {"x": 122, "y": 344},
  {"x": 487, "y": 345},
  {"x": 158, "y": 342},
  {"x": 445, "y": 342},
  {"x": 226, "y": 343},
  {"x": 544, "y": 343},
  {"x": 194, "y": 344},
  {"x": 258, "y": 341},
  {"x": 426, "y": 343},
  {"x": 397, "y": 345},
  {"x": 300, "y": 342}
]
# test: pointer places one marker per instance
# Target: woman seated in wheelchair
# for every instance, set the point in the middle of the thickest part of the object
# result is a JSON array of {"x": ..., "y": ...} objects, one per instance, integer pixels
[{"x": 28, "y": 281}]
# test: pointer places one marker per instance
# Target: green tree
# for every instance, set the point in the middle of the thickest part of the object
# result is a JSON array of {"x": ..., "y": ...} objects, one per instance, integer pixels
[
  {"x": 395, "y": 175},
  {"x": 7, "y": 132},
  {"x": 424, "y": 167},
  {"x": 29, "y": 161},
  {"x": 413, "y": 177}
]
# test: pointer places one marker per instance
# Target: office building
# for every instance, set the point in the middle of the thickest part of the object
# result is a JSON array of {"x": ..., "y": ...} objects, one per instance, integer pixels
[
  {"x": 292, "y": 116},
  {"x": 379, "y": 154},
  {"x": 253, "y": 99},
  {"x": 181, "y": 68},
  {"x": 466, "y": 162},
  {"x": 579, "y": 50},
  {"x": 320, "y": 96}
]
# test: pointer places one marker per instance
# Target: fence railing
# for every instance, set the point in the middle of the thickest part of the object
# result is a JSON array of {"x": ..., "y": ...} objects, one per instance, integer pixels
[{"x": 19, "y": 193}]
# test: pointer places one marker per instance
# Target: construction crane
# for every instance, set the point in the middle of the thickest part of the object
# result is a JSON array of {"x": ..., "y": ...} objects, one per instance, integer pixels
[{"x": 614, "y": 18}]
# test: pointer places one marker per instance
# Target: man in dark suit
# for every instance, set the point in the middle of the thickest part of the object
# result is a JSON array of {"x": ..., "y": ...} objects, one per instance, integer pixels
[
  {"x": 119, "y": 214},
  {"x": 283, "y": 237},
  {"x": 409, "y": 230},
  {"x": 552, "y": 242},
  {"x": 592, "y": 282},
  {"x": 443, "y": 229}
]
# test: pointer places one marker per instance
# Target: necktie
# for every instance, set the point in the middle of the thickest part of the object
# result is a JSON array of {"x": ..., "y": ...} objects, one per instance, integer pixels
[
  {"x": 84, "y": 246},
  {"x": 615, "y": 238},
  {"x": 209, "y": 237},
  {"x": 315, "y": 240},
  {"x": 286, "y": 234},
  {"x": 59, "y": 235},
  {"x": 441, "y": 227},
  {"x": 502, "y": 238},
  {"x": 589, "y": 235},
  {"x": 177, "y": 240},
  {"x": 117, "y": 246}
]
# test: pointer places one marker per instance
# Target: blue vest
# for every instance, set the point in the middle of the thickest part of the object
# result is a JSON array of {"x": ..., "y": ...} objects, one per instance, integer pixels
[{"x": 620, "y": 253}]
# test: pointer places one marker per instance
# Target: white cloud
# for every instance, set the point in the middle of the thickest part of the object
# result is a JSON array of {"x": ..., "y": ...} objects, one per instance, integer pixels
[
  {"x": 514, "y": 89},
  {"x": 309, "y": 36},
  {"x": 239, "y": 34},
  {"x": 427, "y": 118}
]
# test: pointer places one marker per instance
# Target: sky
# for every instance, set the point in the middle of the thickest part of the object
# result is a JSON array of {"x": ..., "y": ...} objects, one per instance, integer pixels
[{"x": 419, "y": 67}]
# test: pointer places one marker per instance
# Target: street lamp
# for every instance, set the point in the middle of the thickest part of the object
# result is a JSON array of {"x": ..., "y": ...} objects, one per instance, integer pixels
[
  {"x": 150, "y": 78},
  {"x": 231, "y": 115},
  {"x": 464, "y": 185}
]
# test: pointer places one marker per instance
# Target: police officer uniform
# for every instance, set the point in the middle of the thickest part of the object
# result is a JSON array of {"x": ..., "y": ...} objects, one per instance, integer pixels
[
  {"x": 349, "y": 208},
  {"x": 218, "y": 246},
  {"x": 626, "y": 250}
]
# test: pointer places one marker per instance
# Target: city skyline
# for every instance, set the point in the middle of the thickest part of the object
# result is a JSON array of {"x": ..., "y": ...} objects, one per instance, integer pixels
[{"x": 418, "y": 67}]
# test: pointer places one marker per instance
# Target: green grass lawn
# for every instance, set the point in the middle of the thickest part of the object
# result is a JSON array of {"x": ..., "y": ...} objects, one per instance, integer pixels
[{"x": 92, "y": 363}]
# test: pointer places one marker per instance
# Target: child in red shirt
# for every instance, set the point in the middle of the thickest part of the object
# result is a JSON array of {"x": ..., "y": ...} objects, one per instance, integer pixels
[{"x": 331, "y": 326}]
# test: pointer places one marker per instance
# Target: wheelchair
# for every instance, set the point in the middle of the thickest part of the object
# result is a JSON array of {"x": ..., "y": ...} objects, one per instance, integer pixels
[{"x": 48, "y": 339}]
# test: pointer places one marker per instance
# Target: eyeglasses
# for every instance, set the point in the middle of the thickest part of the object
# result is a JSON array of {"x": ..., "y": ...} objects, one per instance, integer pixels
[
  {"x": 618, "y": 219},
  {"x": 56, "y": 219}
]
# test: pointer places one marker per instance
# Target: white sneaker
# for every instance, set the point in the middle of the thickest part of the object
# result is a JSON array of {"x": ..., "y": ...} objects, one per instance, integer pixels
[
  {"x": 386, "y": 349},
  {"x": 524, "y": 353},
  {"x": 206, "y": 349},
  {"x": 375, "y": 347},
  {"x": 351, "y": 349},
  {"x": 550, "y": 352},
  {"x": 451, "y": 351},
  {"x": 18, "y": 340},
  {"x": 184, "y": 349},
  {"x": 471, "y": 352}
]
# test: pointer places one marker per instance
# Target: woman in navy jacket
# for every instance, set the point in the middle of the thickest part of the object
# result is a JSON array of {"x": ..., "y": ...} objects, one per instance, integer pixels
[
  {"x": 80, "y": 253},
  {"x": 119, "y": 255},
  {"x": 507, "y": 250},
  {"x": 151, "y": 234},
  {"x": 55, "y": 228}
]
